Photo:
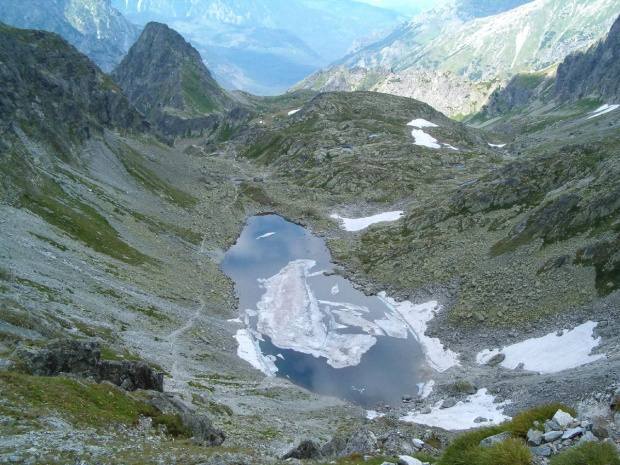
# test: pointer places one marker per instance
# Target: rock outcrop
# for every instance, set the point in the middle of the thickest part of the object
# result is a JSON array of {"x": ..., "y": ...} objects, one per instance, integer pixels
[
  {"x": 200, "y": 426},
  {"x": 47, "y": 84},
  {"x": 165, "y": 78},
  {"x": 593, "y": 73},
  {"x": 82, "y": 357}
]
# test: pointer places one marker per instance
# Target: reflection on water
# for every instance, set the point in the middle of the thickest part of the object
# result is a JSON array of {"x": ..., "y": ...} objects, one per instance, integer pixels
[{"x": 341, "y": 317}]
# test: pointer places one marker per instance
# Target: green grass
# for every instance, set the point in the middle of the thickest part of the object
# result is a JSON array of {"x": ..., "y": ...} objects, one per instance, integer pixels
[
  {"x": 589, "y": 453},
  {"x": 173, "y": 424},
  {"x": 194, "y": 90},
  {"x": 82, "y": 403},
  {"x": 465, "y": 449},
  {"x": 135, "y": 165},
  {"x": 80, "y": 221}
]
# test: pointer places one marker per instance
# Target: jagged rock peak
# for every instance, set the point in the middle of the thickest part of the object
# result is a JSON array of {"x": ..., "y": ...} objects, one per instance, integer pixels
[
  {"x": 593, "y": 73},
  {"x": 47, "y": 83},
  {"x": 164, "y": 74}
]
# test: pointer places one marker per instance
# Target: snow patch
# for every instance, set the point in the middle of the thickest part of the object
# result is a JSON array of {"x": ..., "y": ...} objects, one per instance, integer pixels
[
  {"x": 235, "y": 320},
  {"x": 602, "y": 110},
  {"x": 373, "y": 414},
  {"x": 292, "y": 112},
  {"x": 265, "y": 235},
  {"x": 416, "y": 317},
  {"x": 448, "y": 146},
  {"x": 421, "y": 123},
  {"x": 249, "y": 351},
  {"x": 357, "y": 224},
  {"x": 550, "y": 353},
  {"x": 497, "y": 145},
  {"x": 519, "y": 42},
  {"x": 289, "y": 314},
  {"x": 425, "y": 389},
  {"x": 425, "y": 140},
  {"x": 463, "y": 414}
]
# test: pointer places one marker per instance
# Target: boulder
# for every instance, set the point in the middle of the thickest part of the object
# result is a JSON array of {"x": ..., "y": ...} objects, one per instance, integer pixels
[
  {"x": 361, "y": 442},
  {"x": 587, "y": 437},
  {"x": 450, "y": 402},
  {"x": 334, "y": 448},
  {"x": 200, "y": 426},
  {"x": 406, "y": 460},
  {"x": 572, "y": 433},
  {"x": 543, "y": 451},
  {"x": 305, "y": 450},
  {"x": 534, "y": 437},
  {"x": 552, "y": 436},
  {"x": 563, "y": 419},
  {"x": 600, "y": 427},
  {"x": 487, "y": 442},
  {"x": 131, "y": 375}
]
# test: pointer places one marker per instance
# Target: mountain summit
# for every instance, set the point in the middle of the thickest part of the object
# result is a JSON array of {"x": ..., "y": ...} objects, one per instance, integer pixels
[{"x": 164, "y": 76}]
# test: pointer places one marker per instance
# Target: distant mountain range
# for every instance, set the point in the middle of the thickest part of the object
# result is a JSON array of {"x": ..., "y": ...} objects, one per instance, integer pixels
[
  {"x": 264, "y": 47},
  {"x": 455, "y": 56},
  {"x": 92, "y": 26}
]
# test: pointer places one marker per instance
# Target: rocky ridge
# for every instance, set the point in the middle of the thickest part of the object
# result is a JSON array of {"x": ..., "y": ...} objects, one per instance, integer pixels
[
  {"x": 166, "y": 80},
  {"x": 538, "y": 34}
]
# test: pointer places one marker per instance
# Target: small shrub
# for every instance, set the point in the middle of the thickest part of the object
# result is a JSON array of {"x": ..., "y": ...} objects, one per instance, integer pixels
[
  {"x": 512, "y": 451},
  {"x": 615, "y": 404},
  {"x": 174, "y": 425},
  {"x": 524, "y": 420},
  {"x": 589, "y": 453}
]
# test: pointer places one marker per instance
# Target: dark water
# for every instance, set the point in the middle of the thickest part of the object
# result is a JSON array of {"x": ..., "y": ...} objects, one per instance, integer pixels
[{"x": 387, "y": 370}]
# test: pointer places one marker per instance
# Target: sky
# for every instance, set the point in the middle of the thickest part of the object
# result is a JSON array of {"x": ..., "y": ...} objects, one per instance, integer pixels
[{"x": 405, "y": 6}]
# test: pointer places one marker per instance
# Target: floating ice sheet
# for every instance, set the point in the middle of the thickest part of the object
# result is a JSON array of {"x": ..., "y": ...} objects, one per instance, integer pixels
[
  {"x": 265, "y": 235},
  {"x": 416, "y": 317},
  {"x": 249, "y": 351},
  {"x": 289, "y": 314},
  {"x": 357, "y": 224},
  {"x": 550, "y": 353},
  {"x": 462, "y": 415}
]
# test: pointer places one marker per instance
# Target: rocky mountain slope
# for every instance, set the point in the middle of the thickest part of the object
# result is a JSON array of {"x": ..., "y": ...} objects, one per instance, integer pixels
[
  {"x": 455, "y": 63},
  {"x": 166, "y": 80},
  {"x": 92, "y": 26},
  {"x": 264, "y": 47}
]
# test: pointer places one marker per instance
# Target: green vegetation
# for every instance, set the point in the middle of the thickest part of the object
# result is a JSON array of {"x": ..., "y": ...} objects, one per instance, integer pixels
[
  {"x": 81, "y": 402},
  {"x": 135, "y": 165},
  {"x": 173, "y": 424},
  {"x": 465, "y": 450},
  {"x": 194, "y": 93},
  {"x": 589, "y": 453},
  {"x": 80, "y": 221}
]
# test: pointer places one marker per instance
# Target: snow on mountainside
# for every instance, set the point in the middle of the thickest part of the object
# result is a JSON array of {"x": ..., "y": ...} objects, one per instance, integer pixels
[
  {"x": 463, "y": 62},
  {"x": 266, "y": 46}
]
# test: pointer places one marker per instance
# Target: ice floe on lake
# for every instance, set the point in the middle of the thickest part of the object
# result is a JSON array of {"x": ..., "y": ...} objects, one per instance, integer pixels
[
  {"x": 335, "y": 289},
  {"x": 603, "y": 110},
  {"x": 249, "y": 351},
  {"x": 416, "y": 317},
  {"x": 550, "y": 353},
  {"x": 265, "y": 235},
  {"x": 290, "y": 315},
  {"x": 357, "y": 224},
  {"x": 462, "y": 415}
]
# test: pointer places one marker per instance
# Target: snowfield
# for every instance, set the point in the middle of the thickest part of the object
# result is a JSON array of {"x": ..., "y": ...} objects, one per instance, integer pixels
[
  {"x": 603, "y": 110},
  {"x": 462, "y": 415},
  {"x": 550, "y": 353},
  {"x": 357, "y": 224}
]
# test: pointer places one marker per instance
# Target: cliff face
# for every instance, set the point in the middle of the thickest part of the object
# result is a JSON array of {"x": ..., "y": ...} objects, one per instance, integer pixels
[
  {"x": 49, "y": 86},
  {"x": 594, "y": 72},
  {"x": 165, "y": 78},
  {"x": 92, "y": 26}
]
